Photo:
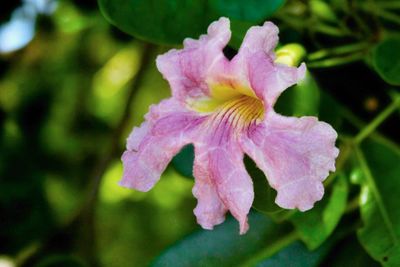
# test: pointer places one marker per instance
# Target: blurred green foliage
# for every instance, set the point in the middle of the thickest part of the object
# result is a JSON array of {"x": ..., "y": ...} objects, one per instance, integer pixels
[
  {"x": 69, "y": 99},
  {"x": 143, "y": 20},
  {"x": 61, "y": 99}
]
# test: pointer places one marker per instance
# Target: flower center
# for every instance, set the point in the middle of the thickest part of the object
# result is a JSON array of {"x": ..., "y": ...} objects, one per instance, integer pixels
[
  {"x": 230, "y": 105},
  {"x": 240, "y": 112}
]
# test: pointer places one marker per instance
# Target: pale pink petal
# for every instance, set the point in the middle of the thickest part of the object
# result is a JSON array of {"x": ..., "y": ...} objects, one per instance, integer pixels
[
  {"x": 255, "y": 68},
  {"x": 260, "y": 39},
  {"x": 222, "y": 182},
  {"x": 296, "y": 154},
  {"x": 269, "y": 80},
  {"x": 233, "y": 183},
  {"x": 187, "y": 69},
  {"x": 210, "y": 210},
  {"x": 150, "y": 147}
]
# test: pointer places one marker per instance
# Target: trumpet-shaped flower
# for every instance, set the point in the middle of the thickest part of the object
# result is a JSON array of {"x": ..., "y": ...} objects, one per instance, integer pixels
[{"x": 225, "y": 109}]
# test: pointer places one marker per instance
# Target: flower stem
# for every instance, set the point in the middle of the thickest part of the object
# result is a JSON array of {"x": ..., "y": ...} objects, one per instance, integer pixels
[
  {"x": 380, "y": 12},
  {"x": 377, "y": 121},
  {"x": 359, "y": 124},
  {"x": 388, "y": 16},
  {"x": 271, "y": 250},
  {"x": 331, "y": 62},
  {"x": 329, "y": 30},
  {"x": 353, "y": 204},
  {"x": 355, "y": 47},
  {"x": 388, "y": 4}
]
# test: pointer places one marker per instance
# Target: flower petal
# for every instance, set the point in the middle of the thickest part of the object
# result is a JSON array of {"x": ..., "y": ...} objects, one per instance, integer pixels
[
  {"x": 150, "y": 147},
  {"x": 296, "y": 154},
  {"x": 210, "y": 210},
  {"x": 188, "y": 69},
  {"x": 269, "y": 80},
  {"x": 260, "y": 39},
  {"x": 233, "y": 183},
  {"x": 255, "y": 67}
]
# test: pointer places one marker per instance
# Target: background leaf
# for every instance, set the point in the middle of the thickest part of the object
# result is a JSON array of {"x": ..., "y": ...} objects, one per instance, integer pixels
[
  {"x": 300, "y": 100},
  {"x": 264, "y": 195},
  {"x": 348, "y": 252},
  {"x": 379, "y": 201},
  {"x": 221, "y": 247},
  {"x": 386, "y": 60},
  {"x": 316, "y": 225},
  {"x": 183, "y": 161},
  {"x": 61, "y": 261},
  {"x": 296, "y": 255},
  {"x": 169, "y": 22}
]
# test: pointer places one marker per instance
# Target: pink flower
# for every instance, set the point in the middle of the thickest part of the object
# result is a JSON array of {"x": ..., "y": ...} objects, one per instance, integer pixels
[{"x": 225, "y": 109}]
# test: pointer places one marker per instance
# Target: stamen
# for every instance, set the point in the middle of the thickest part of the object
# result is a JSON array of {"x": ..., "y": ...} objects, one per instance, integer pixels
[{"x": 238, "y": 113}]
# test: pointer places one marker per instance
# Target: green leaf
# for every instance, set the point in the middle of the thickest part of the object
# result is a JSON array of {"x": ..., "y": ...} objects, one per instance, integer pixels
[
  {"x": 330, "y": 111},
  {"x": 239, "y": 29},
  {"x": 386, "y": 60},
  {"x": 61, "y": 261},
  {"x": 379, "y": 201},
  {"x": 245, "y": 10},
  {"x": 221, "y": 247},
  {"x": 296, "y": 255},
  {"x": 264, "y": 195},
  {"x": 317, "y": 224},
  {"x": 300, "y": 100},
  {"x": 169, "y": 22},
  {"x": 183, "y": 161},
  {"x": 348, "y": 252}
]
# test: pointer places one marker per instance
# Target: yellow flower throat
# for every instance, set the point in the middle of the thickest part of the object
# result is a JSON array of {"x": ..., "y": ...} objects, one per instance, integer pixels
[{"x": 237, "y": 104}]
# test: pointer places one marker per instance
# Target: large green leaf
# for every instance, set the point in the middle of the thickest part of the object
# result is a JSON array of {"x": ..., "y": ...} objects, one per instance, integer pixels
[
  {"x": 183, "y": 161},
  {"x": 317, "y": 224},
  {"x": 296, "y": 255},
  {"x": 379, "y": 202},
  {"x": 330, "y": 111},
  {"x": 259, "y": 247},
  {"x": 301, "y": 100},
  {"x": 60, "y": 261},
  {"x": 386, "y": 60},
  {"x": 348, "y": 252},
  {"x": 264, "y": 195},
  {"x": 170, "y": 21},
  {"x": 221, "y": 247}
]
